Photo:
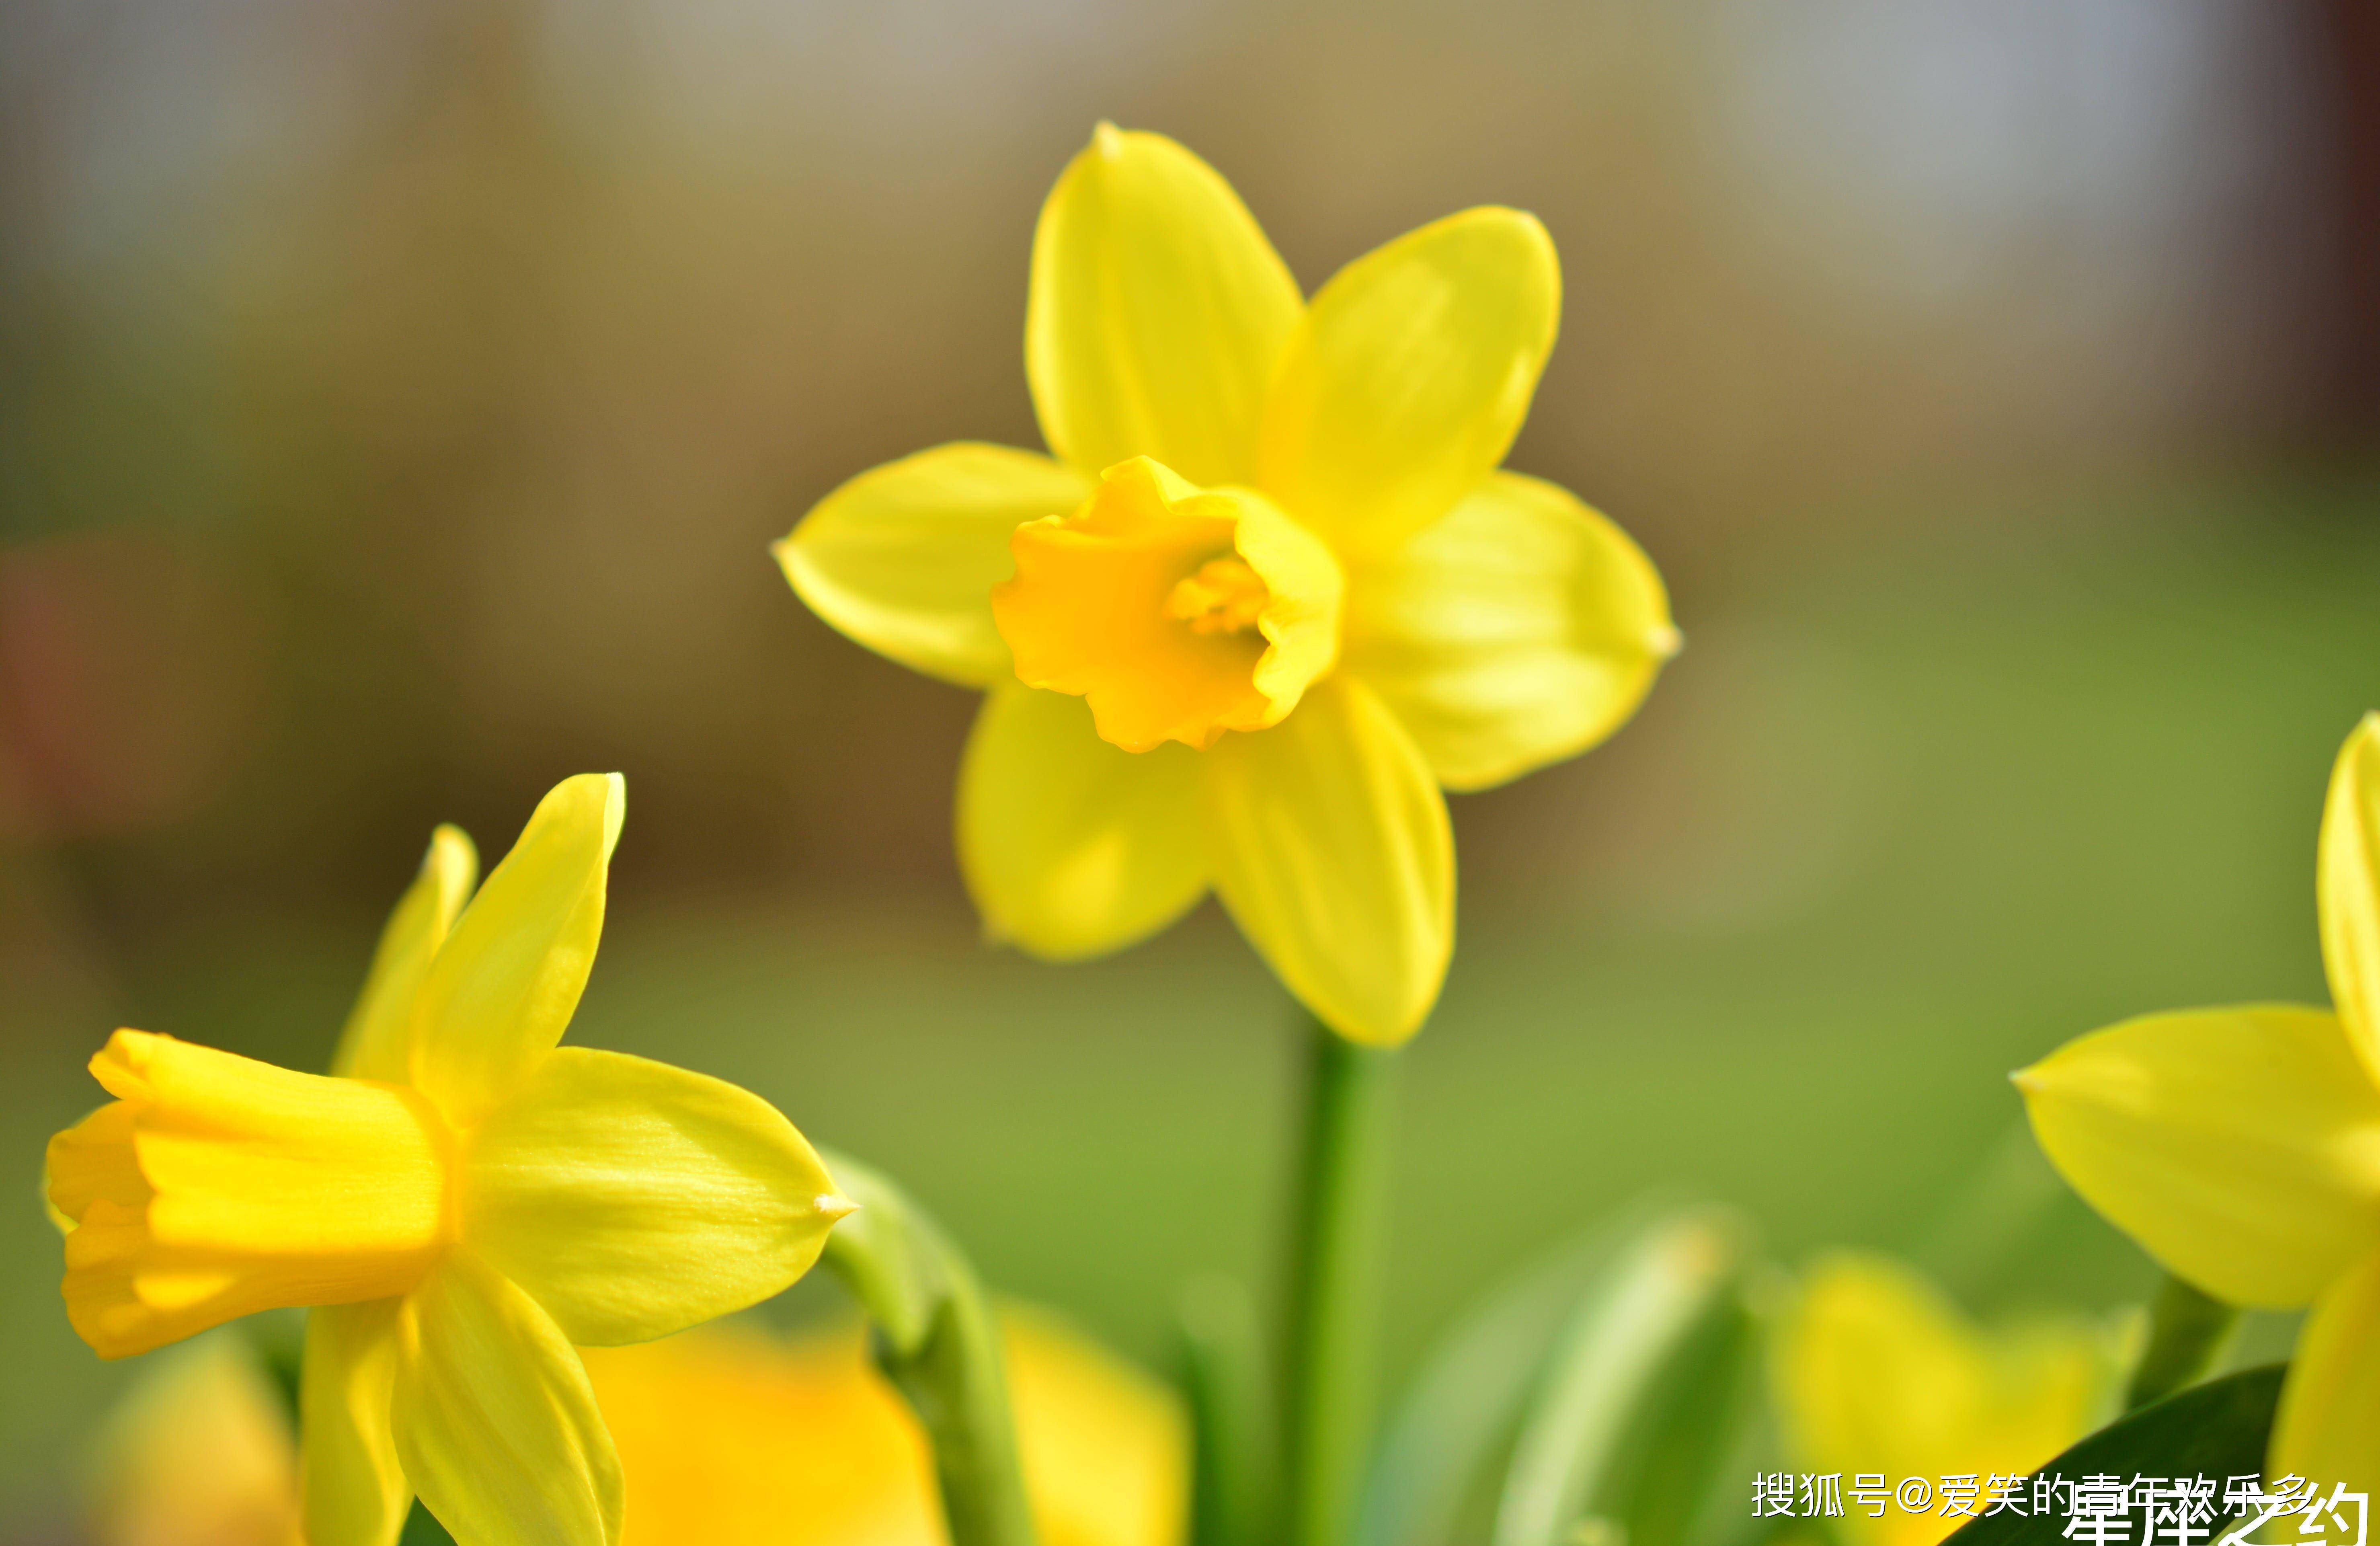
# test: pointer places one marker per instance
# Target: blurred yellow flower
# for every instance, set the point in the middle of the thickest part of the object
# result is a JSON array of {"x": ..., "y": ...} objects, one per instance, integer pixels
[
  {"x": 198, "y": 1454},
  {"x": 464, "y": 1200},
  {"x": 728, "y": 1436},
  {"x": 1877, "y": 1373},
  {"x": 1270, "y": 595},
  {"x": 2240, "y": 1147}
]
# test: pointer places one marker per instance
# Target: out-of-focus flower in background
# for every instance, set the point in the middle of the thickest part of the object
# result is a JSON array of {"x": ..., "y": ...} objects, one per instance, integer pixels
[
  {"x": 2240, "y": 1147},
  {"x": 1877, "y": 1371},
  {"x": 732, "y": 1437},
  {"x": 728, "y": 1436},
  {"x": 197, "y": 1453},
  {"x": 1268, "y": 596}
]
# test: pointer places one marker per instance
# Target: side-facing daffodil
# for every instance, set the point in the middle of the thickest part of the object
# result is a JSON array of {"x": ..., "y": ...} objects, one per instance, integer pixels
[
  {"x": 462, "y": 1202},
  {"x": 1877, "y": 1371},
  {"x": 1268, "y": 596},
  {"x": 2240, "y": 1147}
]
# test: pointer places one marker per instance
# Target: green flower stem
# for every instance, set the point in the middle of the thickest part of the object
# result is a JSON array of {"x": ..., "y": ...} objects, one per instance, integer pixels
[
  {"x": 936, "y": 1340},
  {"x": 1334, "y": 1284},
  {"x": 2187, "y": 1331}
]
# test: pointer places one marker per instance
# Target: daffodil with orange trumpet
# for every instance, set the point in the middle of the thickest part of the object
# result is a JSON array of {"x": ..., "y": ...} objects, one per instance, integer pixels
[{"x": 1268, "y": 596}]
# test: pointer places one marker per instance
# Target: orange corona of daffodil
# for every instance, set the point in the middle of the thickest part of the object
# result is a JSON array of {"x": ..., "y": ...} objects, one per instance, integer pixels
[
  {"x": 1267, "y": 597},
  {"x": 2240, "y": 1147},
  {"x": 1877, "y": 1371},
  {"x": 462, "y": 1200}
]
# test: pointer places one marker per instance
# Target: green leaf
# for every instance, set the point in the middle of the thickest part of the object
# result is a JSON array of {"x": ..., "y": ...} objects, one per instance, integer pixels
[
  {"x": 1664, "y": 1485},
  {"x": 1633, "y": 1356},
  {"x": 2217, "y": 1429},
  {"x": 935, "y": 1340},
  {"x": 2189, "y": 1329},
  {"x": 1467, "y": 1399}
]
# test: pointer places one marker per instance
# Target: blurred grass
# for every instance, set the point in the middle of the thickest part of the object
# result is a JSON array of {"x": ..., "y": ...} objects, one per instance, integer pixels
[{"x": 2029, "y": 784}]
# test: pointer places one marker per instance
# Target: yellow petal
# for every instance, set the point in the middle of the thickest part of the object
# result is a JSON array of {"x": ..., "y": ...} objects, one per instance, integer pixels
[
  {"x": 1877, "y": 1371},
  {"x": 1156, "y": 312},
  {"x": 2347, "y": 889},
  {"x": 1329, "y": 843},
  {"x": 1070, "y": 846},
  {"x": 2239, "y": 1146},
  {"x": 504, "y": 984},
  {"x": 2328, "y": 1425},
  {"x": 1106, "y": 1452},
  {"x": 732, "y": 1437},
  {"x": 355, "y": 1490},
  {"x": 1407, "y": 379},
  {"x": 632, "y": 1200},
  {"x": 377, "y": 1043},
  {"x": 1520, "y": 629},
  {"x": 495, "y": 1420},
  {"x": 903, "y": 558}
]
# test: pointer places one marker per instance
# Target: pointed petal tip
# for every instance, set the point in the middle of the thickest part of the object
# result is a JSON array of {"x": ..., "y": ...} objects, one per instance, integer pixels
[
  {"x": 2028, "y": 1078},
  {"x": 833, "y": 1207},
  {"x": 615, "y": 807},
  {"x": 1106, "y": 138},
  {"x": 1664, "y": 640}
]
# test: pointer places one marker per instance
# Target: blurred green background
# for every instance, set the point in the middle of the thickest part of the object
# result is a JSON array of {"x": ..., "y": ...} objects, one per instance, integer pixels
[{"x": 396, "y": 398}]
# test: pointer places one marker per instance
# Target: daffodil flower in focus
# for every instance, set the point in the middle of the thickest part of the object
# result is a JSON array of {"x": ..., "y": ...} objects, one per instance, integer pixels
[
  {"x": 462, "y": 1200},
  {"x": 1267, "y": 597},
  {"x": 1876, "y": 1371},
  {"x": 2240, "y": 1147}
]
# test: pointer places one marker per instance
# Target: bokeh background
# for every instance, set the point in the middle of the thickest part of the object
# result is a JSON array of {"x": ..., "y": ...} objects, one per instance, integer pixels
[{"x": 397, "y": 397}]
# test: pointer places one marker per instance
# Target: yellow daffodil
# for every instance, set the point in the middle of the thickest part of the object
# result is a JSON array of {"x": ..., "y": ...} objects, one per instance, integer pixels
[
  {"x": 730, "y": 1437},
  {"x": 1877, "y": 1373},
  {"x": 197, "y": 1453},
  {"x": 2240, "y": 1147},
  {"x": 1268, "y": 596},
  {"x": 463, "y": 1199}
]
